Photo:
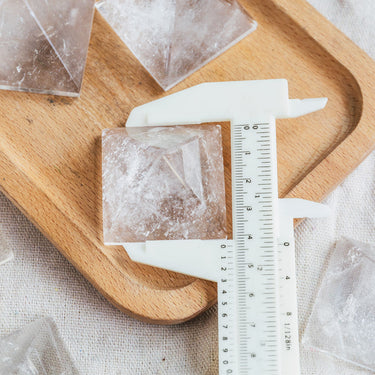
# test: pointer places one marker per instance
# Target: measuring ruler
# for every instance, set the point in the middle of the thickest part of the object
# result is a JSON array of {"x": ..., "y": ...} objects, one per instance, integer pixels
[
  {"x": 255, "y": 272},
  {"x": 258, "y": 324}
]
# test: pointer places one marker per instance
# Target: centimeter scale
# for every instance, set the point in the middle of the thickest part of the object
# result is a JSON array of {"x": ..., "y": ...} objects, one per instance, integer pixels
[{"x": 255, "y": 272}]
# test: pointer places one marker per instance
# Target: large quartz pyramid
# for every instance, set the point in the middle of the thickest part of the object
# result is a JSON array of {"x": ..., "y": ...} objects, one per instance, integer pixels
[
  {"x": 174, "y": 38},
  {"x": 163, "y": 183},
  {"x": 43, "y": 44}
]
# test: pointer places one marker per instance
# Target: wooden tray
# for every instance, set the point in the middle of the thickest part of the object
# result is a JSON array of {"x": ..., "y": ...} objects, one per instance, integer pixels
[{"x": 50, "y": 147}]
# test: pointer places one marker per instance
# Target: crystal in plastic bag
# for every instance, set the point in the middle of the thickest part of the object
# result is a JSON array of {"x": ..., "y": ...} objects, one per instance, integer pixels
[
  {"x": 35, "y": 349},
  {"x": 163, "y": 183},
  {"x": 43, "y": 45},
  {"x": 342, "y": 323},
  {"x": 174, "y": 38}
]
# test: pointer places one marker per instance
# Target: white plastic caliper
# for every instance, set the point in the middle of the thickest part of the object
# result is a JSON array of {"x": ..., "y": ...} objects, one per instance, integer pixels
[{"x": 258, "y": 323}]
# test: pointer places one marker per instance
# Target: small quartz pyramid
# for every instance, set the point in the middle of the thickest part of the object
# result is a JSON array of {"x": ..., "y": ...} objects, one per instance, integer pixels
[
  {"x": 44, "y": 44},
  {"x": 36, "y": 349},
  {"x": 174, "y": 38},
  {"x": 163, "y": 183},
  {"x": 342, "y": 322},
  {"x": 5, "y": 253}
]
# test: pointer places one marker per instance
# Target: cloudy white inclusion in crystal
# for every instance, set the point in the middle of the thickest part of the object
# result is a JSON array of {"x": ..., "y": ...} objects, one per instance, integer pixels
[
  {"x": 163, "y": 183},
  {"x": 44, "y": 44},
  {"x": 174, "y": 38}
]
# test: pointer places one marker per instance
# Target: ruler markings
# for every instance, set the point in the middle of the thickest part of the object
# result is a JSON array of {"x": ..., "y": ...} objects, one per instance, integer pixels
[{"x": 248, "y": 330}]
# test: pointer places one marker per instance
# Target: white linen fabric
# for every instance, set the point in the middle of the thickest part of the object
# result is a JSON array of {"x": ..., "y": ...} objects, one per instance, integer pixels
[{"x": 39, "y": 282}]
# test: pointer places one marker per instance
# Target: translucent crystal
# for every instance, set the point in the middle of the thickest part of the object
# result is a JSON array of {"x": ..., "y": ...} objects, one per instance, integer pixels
[
  {"x": 35, "y": 349},
  {"x": 5, "y": 252},
  {"x": 43, "y": 44},
  {"x": 163, "y": 183},
  {"x": 174, "y": 38},
  {"x": 343, "y": 319}
]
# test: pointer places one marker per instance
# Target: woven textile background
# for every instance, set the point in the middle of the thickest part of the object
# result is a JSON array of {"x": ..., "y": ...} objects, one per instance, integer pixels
[{"x": 40, "y": 282}]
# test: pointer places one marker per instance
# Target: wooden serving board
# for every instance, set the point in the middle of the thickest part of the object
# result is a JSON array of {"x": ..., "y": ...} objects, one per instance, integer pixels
[{"x": 50, "y": 147}]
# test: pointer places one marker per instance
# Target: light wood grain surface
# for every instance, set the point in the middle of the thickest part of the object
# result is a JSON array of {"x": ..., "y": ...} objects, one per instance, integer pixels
[{"x": 50, "y": 147}]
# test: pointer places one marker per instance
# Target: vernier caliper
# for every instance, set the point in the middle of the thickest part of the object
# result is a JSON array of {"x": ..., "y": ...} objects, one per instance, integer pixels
[{"x": 258, "y": 323}]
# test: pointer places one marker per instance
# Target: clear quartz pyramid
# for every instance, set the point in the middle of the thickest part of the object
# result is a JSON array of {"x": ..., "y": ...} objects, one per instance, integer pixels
[
  {"x": 36, "y": 349},
  {"x": 342, "y": 323},
  {"x": 174, "y": 38},
  {"x": 163, "y": 183},
  {"x": 5, "y": 253},
  {"x": 44, "y": 44}
]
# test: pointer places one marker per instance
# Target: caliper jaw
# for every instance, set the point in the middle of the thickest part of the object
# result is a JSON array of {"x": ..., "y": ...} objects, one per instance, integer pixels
[{"x": 199, "y": 258}]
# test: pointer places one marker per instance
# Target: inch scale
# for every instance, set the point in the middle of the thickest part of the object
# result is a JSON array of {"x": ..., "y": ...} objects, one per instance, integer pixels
[{"x": 257, "y": 303}]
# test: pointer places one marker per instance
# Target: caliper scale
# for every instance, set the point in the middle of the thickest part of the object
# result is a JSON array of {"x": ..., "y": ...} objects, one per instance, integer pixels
[{"x": 257, "y": 303}]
